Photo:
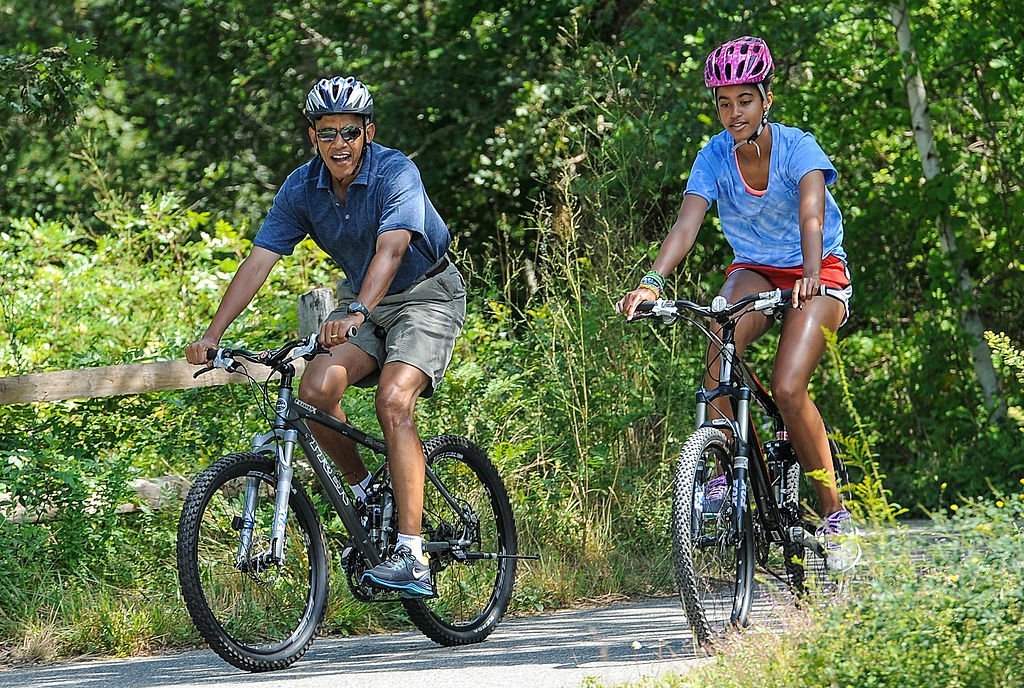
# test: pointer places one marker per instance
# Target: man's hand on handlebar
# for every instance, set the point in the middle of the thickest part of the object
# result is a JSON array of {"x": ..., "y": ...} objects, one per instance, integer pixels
[
  {"x": 336, "y": 332},
  {"x": 628, "y": 303},
  {"x": 195, "y": 353}
]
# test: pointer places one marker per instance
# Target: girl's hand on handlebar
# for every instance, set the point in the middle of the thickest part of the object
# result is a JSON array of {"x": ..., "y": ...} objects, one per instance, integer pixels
[
  {"x": 195, "y": 353},
  {"x": 628, "y": 303},
  {"x": 336, "y": 332},
  {"x": 805, "y": 289}
]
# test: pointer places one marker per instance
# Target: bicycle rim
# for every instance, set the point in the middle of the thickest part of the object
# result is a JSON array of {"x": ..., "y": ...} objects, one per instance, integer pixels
[
  {"x": 256, "y": 617},
  {"x": 817, "y": 576},
  {"x": 471, "y": 595}
]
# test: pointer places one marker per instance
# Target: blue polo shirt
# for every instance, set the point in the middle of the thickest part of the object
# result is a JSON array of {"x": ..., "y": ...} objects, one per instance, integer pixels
[
  {"x": 387, "y": 194},
  {"x": 766, "y": 230}
]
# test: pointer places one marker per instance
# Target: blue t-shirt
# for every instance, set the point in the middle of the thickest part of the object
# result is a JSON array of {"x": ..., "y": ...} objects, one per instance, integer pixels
[
  {"x": 387, "y": 194},
  {"x": 766, "y": 230}
]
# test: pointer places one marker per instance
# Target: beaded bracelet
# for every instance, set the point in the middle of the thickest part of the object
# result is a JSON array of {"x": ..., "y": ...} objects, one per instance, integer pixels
[
  {"x": 655, "y": 278},
  {"x": 657, "y": 294},
  {"x": 653, "y": 281}
]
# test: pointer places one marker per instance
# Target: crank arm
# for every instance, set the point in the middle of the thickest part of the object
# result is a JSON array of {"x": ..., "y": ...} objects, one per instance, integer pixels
[
  {"x": 802, "y": 537},
  {"x": 473, "y": 556}
]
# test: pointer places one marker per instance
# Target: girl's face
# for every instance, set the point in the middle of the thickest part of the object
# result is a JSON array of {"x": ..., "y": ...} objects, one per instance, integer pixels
[{"x": 740, "y": 109}]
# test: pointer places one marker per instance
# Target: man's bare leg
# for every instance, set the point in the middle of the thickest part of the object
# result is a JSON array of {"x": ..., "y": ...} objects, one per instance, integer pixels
[{"x": 323, "y": 384}]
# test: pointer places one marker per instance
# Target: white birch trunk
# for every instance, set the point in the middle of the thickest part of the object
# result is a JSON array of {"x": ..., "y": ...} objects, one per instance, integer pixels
[{"x": 970, "y": 319}]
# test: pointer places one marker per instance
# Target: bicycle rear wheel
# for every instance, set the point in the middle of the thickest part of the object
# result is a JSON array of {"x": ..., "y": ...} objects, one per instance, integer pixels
[
  {"x": 472, "y": 580},
  {"x": 257, "y": 615},
  {"x": 714, "y": 569},
  {"x": 806, "y": 569}
]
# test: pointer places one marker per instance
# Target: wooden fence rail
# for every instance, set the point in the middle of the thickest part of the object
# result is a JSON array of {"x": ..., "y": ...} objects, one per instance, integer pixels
[{"x": 141, "y": 378}]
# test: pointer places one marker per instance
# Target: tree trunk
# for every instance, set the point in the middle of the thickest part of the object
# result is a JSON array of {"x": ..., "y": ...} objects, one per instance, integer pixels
[{"x": 970, "y": 318}]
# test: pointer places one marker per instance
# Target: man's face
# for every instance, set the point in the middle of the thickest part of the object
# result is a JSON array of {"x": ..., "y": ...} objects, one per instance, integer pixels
[{"x": 341, "y": 156}]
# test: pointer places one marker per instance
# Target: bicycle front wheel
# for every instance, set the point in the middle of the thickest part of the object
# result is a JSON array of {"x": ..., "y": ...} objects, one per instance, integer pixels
[
  {"x": 469, "y": 528},
  {"x": 256, "y": 613},
  {"x": 714, "y": 566}
]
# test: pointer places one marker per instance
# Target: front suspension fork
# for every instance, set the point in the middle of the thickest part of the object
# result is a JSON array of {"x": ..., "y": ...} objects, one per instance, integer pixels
[{"x": 281, "y": 442}]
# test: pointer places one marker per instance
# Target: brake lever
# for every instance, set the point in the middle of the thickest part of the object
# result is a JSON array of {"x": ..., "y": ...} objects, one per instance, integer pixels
[
  {"x": 218, "y": 360},
  {"x": 312, "y": 348},
  {"x": 666, "y": 310},
  {"x": 308, "y": 350},
  {"x": 768, "y": 301},
  {"x": 638, "y": 316},
  {"x": 202, "y": 371}
]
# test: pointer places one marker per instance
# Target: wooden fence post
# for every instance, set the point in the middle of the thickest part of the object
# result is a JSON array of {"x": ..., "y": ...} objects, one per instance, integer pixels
[{"x": 314, "y": 307}]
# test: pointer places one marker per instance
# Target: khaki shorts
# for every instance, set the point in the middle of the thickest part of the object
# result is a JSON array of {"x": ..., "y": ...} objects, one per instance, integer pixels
[{"x": 418, "y": 326}]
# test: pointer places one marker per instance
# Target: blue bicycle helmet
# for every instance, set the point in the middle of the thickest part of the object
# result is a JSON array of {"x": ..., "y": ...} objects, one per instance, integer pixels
[{"x": 339, "y": 95}]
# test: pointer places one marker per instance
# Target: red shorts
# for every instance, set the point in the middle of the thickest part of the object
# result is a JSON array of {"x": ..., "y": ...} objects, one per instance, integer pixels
[
  {"x": 835, "y": 277},
  {"x": 833, "y": 273}
]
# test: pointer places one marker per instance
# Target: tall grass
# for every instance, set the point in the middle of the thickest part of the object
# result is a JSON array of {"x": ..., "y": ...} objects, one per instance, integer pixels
[{"x": 942, "y": 607}]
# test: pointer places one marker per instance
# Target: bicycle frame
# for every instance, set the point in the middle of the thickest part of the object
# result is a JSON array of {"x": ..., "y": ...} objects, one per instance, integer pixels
[
  {"x": 738, "y": 383},
  {"x": 290, "y": 427},
  {"x": 741, "y": 386}
]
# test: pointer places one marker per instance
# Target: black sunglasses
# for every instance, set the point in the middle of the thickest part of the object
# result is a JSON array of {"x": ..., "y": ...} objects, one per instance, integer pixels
[{"x": 349, "y": 133}]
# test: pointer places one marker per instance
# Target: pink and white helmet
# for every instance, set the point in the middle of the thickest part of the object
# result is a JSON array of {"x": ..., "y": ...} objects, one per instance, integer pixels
[{"x": 744, "y": 60}]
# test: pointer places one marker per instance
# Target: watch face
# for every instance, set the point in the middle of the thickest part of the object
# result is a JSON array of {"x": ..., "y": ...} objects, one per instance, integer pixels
[{"x": 358, "y": 307}]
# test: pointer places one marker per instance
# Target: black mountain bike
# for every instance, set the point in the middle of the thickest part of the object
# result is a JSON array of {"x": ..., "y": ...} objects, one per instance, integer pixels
[
  {"x": 252, "y": 556},
  {"x": 763, "y": 521}
]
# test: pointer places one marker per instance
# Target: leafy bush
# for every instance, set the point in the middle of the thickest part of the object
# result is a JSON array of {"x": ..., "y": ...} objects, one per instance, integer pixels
[
  {"x": 954, "y": 611},
  {"x": 940, "y": 606}
]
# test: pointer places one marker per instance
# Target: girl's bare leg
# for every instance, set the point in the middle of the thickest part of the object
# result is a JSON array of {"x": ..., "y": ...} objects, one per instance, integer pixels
[{"x": 801, "y": 347}]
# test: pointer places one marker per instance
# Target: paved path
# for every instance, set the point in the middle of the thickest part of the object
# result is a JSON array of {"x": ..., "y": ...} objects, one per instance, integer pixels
[{"x": 616, "y": 643}]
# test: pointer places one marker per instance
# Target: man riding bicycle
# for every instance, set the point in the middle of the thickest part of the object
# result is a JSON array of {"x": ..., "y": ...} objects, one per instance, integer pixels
[{"x": 366, "y": 207}]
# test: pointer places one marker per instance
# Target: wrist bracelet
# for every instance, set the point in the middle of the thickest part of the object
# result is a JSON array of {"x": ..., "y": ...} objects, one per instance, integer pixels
[
  {"x": 657, "y": 294},
  {"x": 655, "y": 282}
]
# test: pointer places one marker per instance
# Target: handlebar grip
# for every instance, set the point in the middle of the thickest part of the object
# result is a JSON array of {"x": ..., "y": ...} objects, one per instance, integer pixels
[{"x": 644, "y": 307}]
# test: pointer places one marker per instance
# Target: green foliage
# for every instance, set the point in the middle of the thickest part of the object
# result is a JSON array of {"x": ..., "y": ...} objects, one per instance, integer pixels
[
  {"x": 1010, "y": 355},
  {"x": 941, "y": 605},
  {"x": 72, "y": 297},
  {"x": 556, "y": 139},
  {"x": 46, "y": 86},
  {"x": 955, "y": 613}
]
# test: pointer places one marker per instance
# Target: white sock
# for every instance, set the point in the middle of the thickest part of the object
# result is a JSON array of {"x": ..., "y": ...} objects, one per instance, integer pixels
[{"x": 415, "y": 545}]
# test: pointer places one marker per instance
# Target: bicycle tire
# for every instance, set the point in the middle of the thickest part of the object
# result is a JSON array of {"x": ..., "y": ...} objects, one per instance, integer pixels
[
  {"x": 261, "y": 620},
  {"x": 804, "y": 568},
  {"x": 470, "y": 597},
  {"x": 715, "y": 577}
]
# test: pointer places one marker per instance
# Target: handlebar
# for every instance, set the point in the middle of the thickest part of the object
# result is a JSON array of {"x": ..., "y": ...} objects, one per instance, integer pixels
[
  {"x": 720, "y": 309},
  {"x": 307, "y": 348}
]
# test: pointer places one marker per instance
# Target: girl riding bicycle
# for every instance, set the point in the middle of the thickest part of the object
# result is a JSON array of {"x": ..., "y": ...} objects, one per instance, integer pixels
[{"x": 786, "y": 232}]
